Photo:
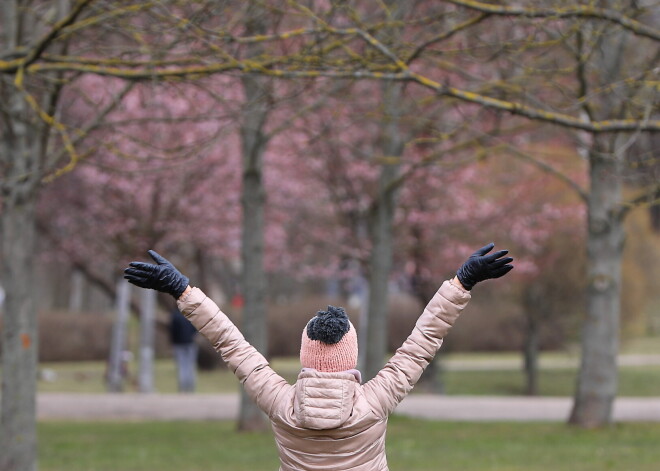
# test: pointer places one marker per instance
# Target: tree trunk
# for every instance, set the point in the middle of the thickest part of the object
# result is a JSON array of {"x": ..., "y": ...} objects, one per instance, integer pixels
[
  {"x": 532, "y": 355},
  {"x": 253, "y": 198},
  {"x": 253, "y": 281},
  {"x": 19, "y": 157},
  {"x": 77, "y": 292},
  {"x": 597, "y": 380},
  {"x": 533, "y": 306},
  {"x": 375, "y": 340},
  {"x": 423, "y": 288},
  {"x": 18, "y": 440},
  {"x": 380, "y": 230},
  {"x": 23, "y": 144}
]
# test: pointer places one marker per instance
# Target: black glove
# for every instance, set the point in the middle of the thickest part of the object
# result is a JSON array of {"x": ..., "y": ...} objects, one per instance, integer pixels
[
  {"x": 480, "y": 267},
  {"x": 162, "y": 277}
]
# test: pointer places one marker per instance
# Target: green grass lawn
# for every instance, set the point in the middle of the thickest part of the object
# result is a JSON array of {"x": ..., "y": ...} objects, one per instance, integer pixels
[
  {"x": 643, "y": 381},
  {"x": 411, "y": 444},
  {"x": 88, "y": 377}
]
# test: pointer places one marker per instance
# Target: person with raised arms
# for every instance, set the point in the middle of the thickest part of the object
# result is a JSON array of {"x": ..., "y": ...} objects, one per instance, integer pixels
[{"x": 327, "y": 420}]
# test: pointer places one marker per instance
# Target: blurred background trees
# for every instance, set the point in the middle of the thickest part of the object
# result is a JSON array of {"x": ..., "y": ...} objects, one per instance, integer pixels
[{"x": 352, "y": 148}]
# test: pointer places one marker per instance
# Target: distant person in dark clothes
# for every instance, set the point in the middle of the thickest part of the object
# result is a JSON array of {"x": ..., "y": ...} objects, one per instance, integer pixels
[{"x": 182, "y": 335}]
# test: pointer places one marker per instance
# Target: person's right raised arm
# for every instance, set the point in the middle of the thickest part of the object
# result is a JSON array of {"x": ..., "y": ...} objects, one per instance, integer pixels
[{"x": 261, "y": 383}]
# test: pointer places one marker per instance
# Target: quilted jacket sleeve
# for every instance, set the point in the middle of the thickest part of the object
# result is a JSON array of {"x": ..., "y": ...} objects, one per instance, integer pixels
[
  {"x": 397, "y": 378},
  {"x": 261, "y": 383}
]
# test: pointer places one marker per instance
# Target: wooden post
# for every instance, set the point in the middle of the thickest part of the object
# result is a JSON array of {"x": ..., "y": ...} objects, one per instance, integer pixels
[
  {"x": 147, "y": 340},
  {"x": 77, "y": 291},
  {"x": 115, "y": 366}
]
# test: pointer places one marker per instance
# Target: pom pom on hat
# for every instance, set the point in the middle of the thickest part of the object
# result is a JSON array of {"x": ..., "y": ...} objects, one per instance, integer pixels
[
  {"x": 329, "y": 342},
  {"x": 329, "y": 326}
]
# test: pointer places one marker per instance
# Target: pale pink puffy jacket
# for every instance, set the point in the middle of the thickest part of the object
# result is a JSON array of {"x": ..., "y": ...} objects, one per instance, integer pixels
[{"x": 329, "y": 421}]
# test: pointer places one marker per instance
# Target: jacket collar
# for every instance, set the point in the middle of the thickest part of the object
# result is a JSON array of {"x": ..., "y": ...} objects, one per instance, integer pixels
[{"x": 355, "y": 373}]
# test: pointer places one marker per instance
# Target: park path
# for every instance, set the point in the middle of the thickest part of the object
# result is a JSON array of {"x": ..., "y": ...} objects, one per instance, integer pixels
[
  {"x": 133, "y": 406},
  {"x": 516, "y": 363}
]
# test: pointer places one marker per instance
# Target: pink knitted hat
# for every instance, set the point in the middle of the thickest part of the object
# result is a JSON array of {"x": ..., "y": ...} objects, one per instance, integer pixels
[{"x": 329, "y": 342}]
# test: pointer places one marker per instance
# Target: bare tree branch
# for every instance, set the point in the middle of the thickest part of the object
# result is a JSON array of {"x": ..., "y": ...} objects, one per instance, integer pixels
[
  {"x": 82, "y": 133},
  {"x": 547, "y": 168},
  {"x": 31, "y": 55},
  {"x": 446, "y": 35},
  {"x": 513, "y": 107},
  {"x": 648, "y": 197},
  {"x": 575, "y": 11}
]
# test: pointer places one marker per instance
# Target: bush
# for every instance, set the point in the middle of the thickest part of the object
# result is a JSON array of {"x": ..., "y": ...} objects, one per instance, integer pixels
[
  {"x": 286, "y": 321},
  {"x": 207, "y": 358},
  {"x": 82, "y": 336},
  {"x": 490, "y": 323},
  {"x": 74, "y": 337},
  {"x": 404, "y": 310},
  {"x": 494, "y": 320}
]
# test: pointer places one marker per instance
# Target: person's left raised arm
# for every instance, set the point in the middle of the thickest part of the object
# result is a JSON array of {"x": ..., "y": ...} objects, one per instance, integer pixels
[
  {"x": 398, "y": 377},
  {"x": 185, "y": 293},
  {"x": 401, "y": 373}
]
